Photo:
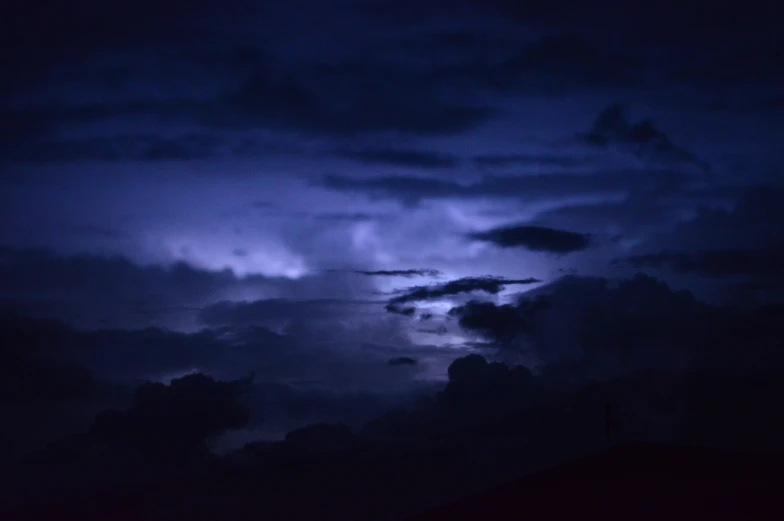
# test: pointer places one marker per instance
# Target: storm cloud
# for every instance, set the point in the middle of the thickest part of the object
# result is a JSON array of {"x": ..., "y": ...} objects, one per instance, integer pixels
[
  {"x": 535, "y": 238},
  {"x": 306, "y": 189},
  {"x": 492, "y": 285}
]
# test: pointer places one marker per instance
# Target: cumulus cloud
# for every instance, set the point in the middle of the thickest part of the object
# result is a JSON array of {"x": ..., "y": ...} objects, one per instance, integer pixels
[
  {"x": 176, "y": 421},
  {"x": 476, "y": 393},
  {"x": 535, "y": 238},
  {"x": 56, "y": 377},
  {"x": 33, "y": 369},
  {"x": 499, "y": 323},
  {"x": 657, "y": 355},
  {"x": 484, "y": 401},
  {"x": 595, "y": 320}
]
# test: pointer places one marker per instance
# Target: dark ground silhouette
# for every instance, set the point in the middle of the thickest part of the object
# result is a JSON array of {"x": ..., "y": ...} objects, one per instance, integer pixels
[{"x": 635, "y": 481}]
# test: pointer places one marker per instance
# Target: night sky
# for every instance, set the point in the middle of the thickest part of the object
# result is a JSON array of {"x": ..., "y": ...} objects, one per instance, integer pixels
[{"x": 340, "y": 175}]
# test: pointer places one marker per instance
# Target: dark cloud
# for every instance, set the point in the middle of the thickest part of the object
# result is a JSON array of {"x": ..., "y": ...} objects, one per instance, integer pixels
[
  {"x": 439, "y": 330},
  {"x": 402, "y": 273},
  {"x": 122, "y": 148},
  {"x": 761, "y": 263},
  {"x": 93, "y": 359},
  {"x": 477, "y": 393},
  {"x": 560, "y": 63},
  {"x": 612, "y": 128},
  {"x": 298, "y": 405},
  {"x": 535, "y": 238},
  {"x": 552, "y": 64},
  {"x": 117, "y": 356},
  {"x": 402, "y": 360},
  {"x": 174, "y": 422},
  {"x": 407, "y": 189},
  {"x": 498, "y": 323},
  {"x": 540, "y": 160},
  {"x": 751, "y": 223},
  {"x": 775, "y": 104},
  {"x": 33, "y": 371},
  {"x": 484, "y": 401},
  {"x": 271, "y": 99},
  {"x": 133, "y": 23},
  {"x": 302, "y": 377},
  {"x": 383, "y": 107},
  {"x": 456, "y": 44},
  {"x": 89, "y": 289},
  {"x": 413, "y": 190},
  {"x": 355, "y": 217},
  {"x": 42, "y": 121},
  {"x": 687, "y": 23},
  {"x": 753, "y": 62},
  {"x": 610, "y": 325},
  {"x": 403, "y": 158},
  {"x": 337, "y": 358},
  {"x": 320, "y": 437},
  {"x": 262, "y": 205},
  {"x": 99, "y": 231},
  {"x": 277, "y": 311},
  {"x": 492, "y": 285},
  {"x": 323, "y": 101},
  {"x": 67, "y": 35},
  {"x": 636, "y": 214},
  {"x": 656, "y": 354},
  {"x": 56, "y": 378},
  {"x": 736, "y": 245}
]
